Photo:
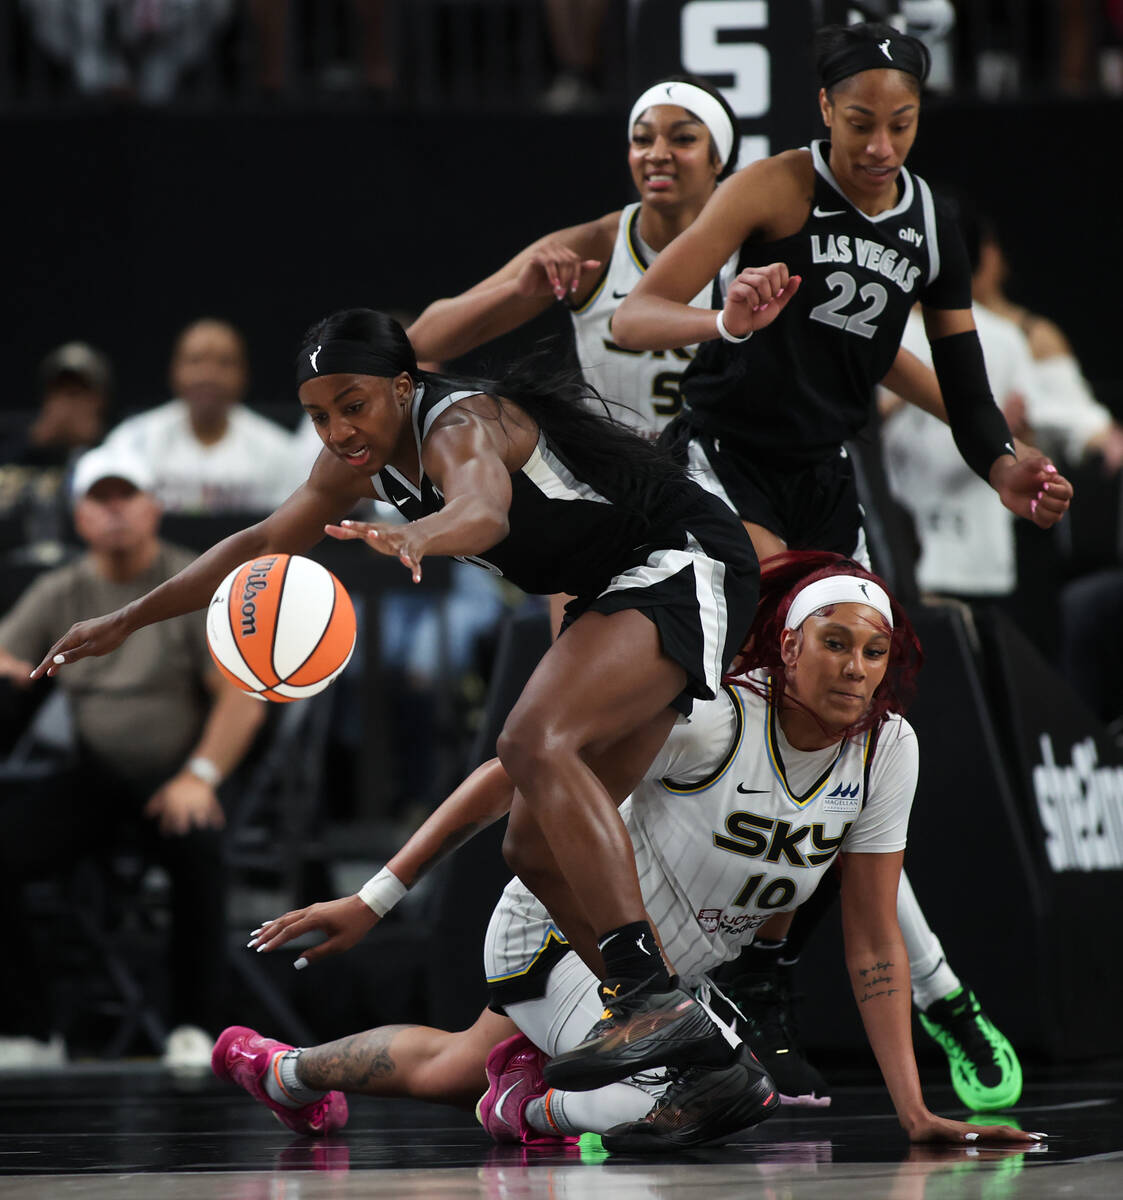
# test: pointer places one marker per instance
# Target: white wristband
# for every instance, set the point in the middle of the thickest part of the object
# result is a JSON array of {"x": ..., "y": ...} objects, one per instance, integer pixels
[
  {"x": 726, "y": 335},
  {"x": 204, "y": 769},
  {"x": 382, "y": 892}
]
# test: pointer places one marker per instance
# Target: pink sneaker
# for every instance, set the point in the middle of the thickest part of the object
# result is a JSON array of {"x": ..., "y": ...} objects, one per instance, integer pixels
[
  {"x": 243, "y": 1056},
  {"x": 514, "y": 1078}
]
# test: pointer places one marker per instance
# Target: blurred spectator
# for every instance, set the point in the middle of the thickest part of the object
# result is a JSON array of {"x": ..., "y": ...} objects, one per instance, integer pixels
[
  {"x": 208, "y": 452},
  {"x": 575, "y": 28},
  {"x": 968, "y": 543},
  {"x": 127, "y": 47},
  {"x": 1072, "y": 423},
  {"x": 275, "y": 41},
  {"x": 1091, "y": 45},
  {"x": 157, "y": 728},
  {"x": 965, "y": 532},
  {"x": 74, "y": 381}
]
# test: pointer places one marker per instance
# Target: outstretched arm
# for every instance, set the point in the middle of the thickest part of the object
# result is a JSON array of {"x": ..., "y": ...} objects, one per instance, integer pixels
[
  {"x": 657, "y": 314},
  {"x": 296, "y": 526},
  {"x": 879, "y": 974},
  {"x": 559, "y": 266},
  {"x": 478, "y": 802},
  {"x": 469, "y": 454}
]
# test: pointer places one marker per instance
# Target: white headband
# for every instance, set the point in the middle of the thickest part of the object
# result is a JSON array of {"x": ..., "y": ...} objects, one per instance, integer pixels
[
  {"x": 700, "y": 103},
  {"x": 837, "y": 589}
]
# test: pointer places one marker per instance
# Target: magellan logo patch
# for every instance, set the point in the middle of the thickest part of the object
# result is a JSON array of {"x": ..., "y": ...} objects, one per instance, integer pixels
[{"x": 844, "y": 798}]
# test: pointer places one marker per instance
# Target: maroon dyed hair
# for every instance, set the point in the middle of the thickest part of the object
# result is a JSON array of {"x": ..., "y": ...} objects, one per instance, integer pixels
[{"x": 782, "y": 577}]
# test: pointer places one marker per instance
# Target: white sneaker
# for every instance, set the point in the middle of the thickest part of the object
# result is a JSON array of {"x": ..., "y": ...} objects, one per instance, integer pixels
[
  {"x": 188, "y": 1048},
  {"x": 19, "y": 1053}
]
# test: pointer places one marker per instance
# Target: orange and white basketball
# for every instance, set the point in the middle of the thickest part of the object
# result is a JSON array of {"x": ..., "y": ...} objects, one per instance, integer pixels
[{"x": 281, "y": 627}]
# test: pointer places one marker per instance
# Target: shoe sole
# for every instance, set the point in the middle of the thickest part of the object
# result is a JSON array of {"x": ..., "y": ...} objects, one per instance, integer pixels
[{"x": 747, "y": 1107}]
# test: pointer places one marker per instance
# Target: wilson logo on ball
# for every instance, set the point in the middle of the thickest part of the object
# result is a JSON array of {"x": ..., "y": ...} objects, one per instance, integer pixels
[{"x": 281, "y": 627}]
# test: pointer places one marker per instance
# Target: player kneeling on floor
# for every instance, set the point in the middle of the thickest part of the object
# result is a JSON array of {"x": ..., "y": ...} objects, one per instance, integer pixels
[{"x": 738, "y": 819}]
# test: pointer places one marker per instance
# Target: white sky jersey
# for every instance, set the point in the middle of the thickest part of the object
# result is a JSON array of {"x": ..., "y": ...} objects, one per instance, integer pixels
[
  {"x": 644, "y": 383},
  {"x": 731, "y": 825}
]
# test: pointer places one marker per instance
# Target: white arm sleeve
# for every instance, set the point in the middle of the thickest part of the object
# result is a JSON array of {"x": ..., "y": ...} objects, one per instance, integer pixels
[
  {"x": 696, "y": 748},
  {"x": 882, "y": 825}
]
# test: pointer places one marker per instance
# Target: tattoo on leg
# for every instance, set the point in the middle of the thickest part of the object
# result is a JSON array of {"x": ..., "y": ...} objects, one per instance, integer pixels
[
  {"x": 361, "y": 1062},
  {"x": 877, "y": 980}
]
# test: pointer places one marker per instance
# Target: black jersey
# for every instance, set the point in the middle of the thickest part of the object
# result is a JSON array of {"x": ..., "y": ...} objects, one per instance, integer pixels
[
  {"x": 804, "y": 385},
  {"x": 571, "y": 528}
]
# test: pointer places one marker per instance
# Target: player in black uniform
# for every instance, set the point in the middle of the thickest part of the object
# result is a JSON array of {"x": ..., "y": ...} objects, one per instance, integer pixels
[
  {"x": 559, "y": 499},
  {"x": 860, "y": 239}
]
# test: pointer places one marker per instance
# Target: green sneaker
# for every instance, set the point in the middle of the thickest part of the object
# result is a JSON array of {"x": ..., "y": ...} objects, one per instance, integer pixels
[{"x": 985, "y": 1071}]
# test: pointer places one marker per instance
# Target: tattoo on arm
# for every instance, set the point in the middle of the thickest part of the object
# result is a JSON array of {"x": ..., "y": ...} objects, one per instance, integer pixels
[
  {"x": 876, "y": 980},
  {"x": 359, "y": 1063}
]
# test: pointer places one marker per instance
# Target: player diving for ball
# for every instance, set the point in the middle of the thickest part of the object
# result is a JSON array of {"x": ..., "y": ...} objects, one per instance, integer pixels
[{"x": 800, "y": 766}]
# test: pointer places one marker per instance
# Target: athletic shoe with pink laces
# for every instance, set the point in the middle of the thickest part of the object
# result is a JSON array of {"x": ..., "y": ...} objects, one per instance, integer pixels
[
  {"x": 514, "y": 1078},
  {"x": 242, "y": 1056}
]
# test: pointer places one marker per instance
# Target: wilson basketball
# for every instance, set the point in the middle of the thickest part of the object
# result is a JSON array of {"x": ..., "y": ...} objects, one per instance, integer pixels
[{"x": 281, "y": 627}]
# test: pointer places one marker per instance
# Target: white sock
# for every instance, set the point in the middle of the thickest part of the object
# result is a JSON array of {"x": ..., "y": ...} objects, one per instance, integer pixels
[
  {"x": 932, "y": 978},
  {"x": 574, "y": 1113},
  {"x": 283, "y": 1085}
]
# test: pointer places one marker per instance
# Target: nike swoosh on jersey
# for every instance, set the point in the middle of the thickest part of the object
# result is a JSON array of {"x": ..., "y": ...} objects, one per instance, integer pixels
[
  {"x": 752, "y": 791},
  {"x": 822, "y": 212},
  {"x": 620, "y": 295}
]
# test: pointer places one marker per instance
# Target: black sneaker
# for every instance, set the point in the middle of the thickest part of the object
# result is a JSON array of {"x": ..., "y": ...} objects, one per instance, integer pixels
[
  {"x": 700, "y": 1105},
  {"x": 641, "y": 1029},
  {"x": 765, "y": 1000}
]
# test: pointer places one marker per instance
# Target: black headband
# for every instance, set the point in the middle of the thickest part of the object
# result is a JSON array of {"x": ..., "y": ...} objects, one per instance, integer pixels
[
  {"x": 342, "y": 357},
  {"x": 896, "y": 53}
]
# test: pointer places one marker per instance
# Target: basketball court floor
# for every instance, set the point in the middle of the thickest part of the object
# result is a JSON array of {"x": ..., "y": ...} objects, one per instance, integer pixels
[{"x": 119, "y": 1132}]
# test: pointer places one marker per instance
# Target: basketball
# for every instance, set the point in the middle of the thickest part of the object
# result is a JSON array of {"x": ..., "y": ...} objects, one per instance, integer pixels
[{"x": 281, "y": 627}]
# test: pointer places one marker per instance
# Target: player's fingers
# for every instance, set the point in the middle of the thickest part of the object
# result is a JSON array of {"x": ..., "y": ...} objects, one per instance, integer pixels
[
  {"x": 760, "y": 286},
  {"x": 1002, "y": 1133},
  {"x": 281, "y": 937},
  {"x": 413, "y": 565},
  {"x": 342, "y": 532},
  {"x": 334, "y": 945},
  {"x": 65, "y": 650},
  {"x": 777, "y": 275}
]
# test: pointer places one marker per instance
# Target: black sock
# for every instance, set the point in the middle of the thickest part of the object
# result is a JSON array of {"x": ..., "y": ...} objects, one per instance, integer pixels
[
  {"x": 631, "y": 952},
  {"x": 763, "y": 955}
]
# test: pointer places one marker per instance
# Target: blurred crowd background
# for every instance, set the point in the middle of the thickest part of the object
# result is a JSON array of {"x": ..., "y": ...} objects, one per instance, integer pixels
[{"x": 190, "y": 184}]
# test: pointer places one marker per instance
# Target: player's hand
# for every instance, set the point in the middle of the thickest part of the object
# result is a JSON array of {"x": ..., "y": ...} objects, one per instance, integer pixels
[
  {"x": 184, "y": 803},
  {"x": 931, "y": 1128},
  {"x": 1032, "y": 488},
  {"x": 757, "y": 297},
  {"x": 344, "y": 921},
  {"x": 87, "y": 638},
  {"x": 398, "y": 541},
  {"x": 553, "y": 269}
]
